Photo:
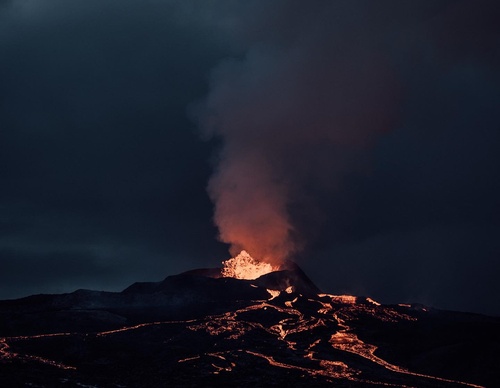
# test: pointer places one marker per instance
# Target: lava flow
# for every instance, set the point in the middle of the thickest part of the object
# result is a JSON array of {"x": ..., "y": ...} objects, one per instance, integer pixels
[{"x": 192, "y": 329}]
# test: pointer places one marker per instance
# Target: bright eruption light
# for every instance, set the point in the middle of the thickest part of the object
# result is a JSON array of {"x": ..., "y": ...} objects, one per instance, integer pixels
[{"x": 245, "y": 266}]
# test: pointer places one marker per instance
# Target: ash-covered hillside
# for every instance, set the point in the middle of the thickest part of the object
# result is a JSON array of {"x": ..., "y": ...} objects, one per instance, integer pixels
[{"x": 201, "y": 329}]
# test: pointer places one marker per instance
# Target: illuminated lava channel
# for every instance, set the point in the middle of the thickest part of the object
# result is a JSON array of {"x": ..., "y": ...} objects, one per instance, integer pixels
[{"x": 245, "y": 266}]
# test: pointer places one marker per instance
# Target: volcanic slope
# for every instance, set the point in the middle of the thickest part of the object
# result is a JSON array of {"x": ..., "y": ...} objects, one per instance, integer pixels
[{"x": 200, "y": 329}]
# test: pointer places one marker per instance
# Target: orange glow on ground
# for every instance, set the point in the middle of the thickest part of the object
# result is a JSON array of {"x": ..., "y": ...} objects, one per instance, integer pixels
[
  {"x": 336, "y": 313},
  {"x": 245, "y": 266}
]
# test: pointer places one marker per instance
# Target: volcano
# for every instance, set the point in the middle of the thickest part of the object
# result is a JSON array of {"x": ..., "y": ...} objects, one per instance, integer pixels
[{"x": 200, "y": 328}]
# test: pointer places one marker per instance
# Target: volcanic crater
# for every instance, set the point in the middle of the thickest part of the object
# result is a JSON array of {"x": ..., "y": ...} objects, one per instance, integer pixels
[{"x": 204, "y": 328}]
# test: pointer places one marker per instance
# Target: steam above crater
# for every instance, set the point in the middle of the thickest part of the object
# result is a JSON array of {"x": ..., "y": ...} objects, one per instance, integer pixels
[{"x": 297, "y": 111}]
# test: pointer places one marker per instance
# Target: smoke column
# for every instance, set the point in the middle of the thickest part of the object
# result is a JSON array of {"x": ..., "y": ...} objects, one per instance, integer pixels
[{"x": 309, "y": 91}]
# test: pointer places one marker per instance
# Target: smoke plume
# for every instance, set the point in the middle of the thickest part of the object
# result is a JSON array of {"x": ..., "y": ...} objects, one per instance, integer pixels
[{"x": 308, "y": 92}]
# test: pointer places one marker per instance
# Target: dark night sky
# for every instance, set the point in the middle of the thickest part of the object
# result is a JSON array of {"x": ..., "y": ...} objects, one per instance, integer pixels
[{"x": 104, "y": 168}]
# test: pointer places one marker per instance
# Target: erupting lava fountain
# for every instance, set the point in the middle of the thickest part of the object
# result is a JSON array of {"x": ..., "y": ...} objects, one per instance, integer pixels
[{"x": 244, "y": 266}]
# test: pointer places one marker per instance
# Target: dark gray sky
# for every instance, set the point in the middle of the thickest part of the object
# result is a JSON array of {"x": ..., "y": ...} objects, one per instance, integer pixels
[{"x": 380, "y": 119}]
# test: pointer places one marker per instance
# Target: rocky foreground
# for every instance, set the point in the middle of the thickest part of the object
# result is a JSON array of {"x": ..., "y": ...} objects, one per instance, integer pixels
[{"x": 200, "y": 329}]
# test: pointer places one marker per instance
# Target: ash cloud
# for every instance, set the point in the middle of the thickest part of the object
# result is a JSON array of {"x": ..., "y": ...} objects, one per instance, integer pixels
[{"x": 310, "y": 93}]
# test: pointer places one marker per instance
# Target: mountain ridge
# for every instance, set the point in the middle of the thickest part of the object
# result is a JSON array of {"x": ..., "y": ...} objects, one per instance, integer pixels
[{"x": 197, "y": 327}]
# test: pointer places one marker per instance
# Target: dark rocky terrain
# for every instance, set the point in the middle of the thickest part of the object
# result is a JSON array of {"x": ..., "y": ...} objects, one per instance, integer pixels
[{"x": 199, "y": 329}]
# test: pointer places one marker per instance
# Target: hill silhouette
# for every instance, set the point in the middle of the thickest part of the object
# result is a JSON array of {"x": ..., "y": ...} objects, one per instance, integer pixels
[{"x": 198, "y": 328}]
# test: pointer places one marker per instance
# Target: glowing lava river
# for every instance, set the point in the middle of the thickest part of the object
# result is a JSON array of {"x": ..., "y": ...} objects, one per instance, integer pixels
[{"x": 193, "y": 329}]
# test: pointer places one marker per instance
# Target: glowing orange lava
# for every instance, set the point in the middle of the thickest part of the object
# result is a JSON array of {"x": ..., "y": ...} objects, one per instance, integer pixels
[{"x": 245, "y": 266}]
